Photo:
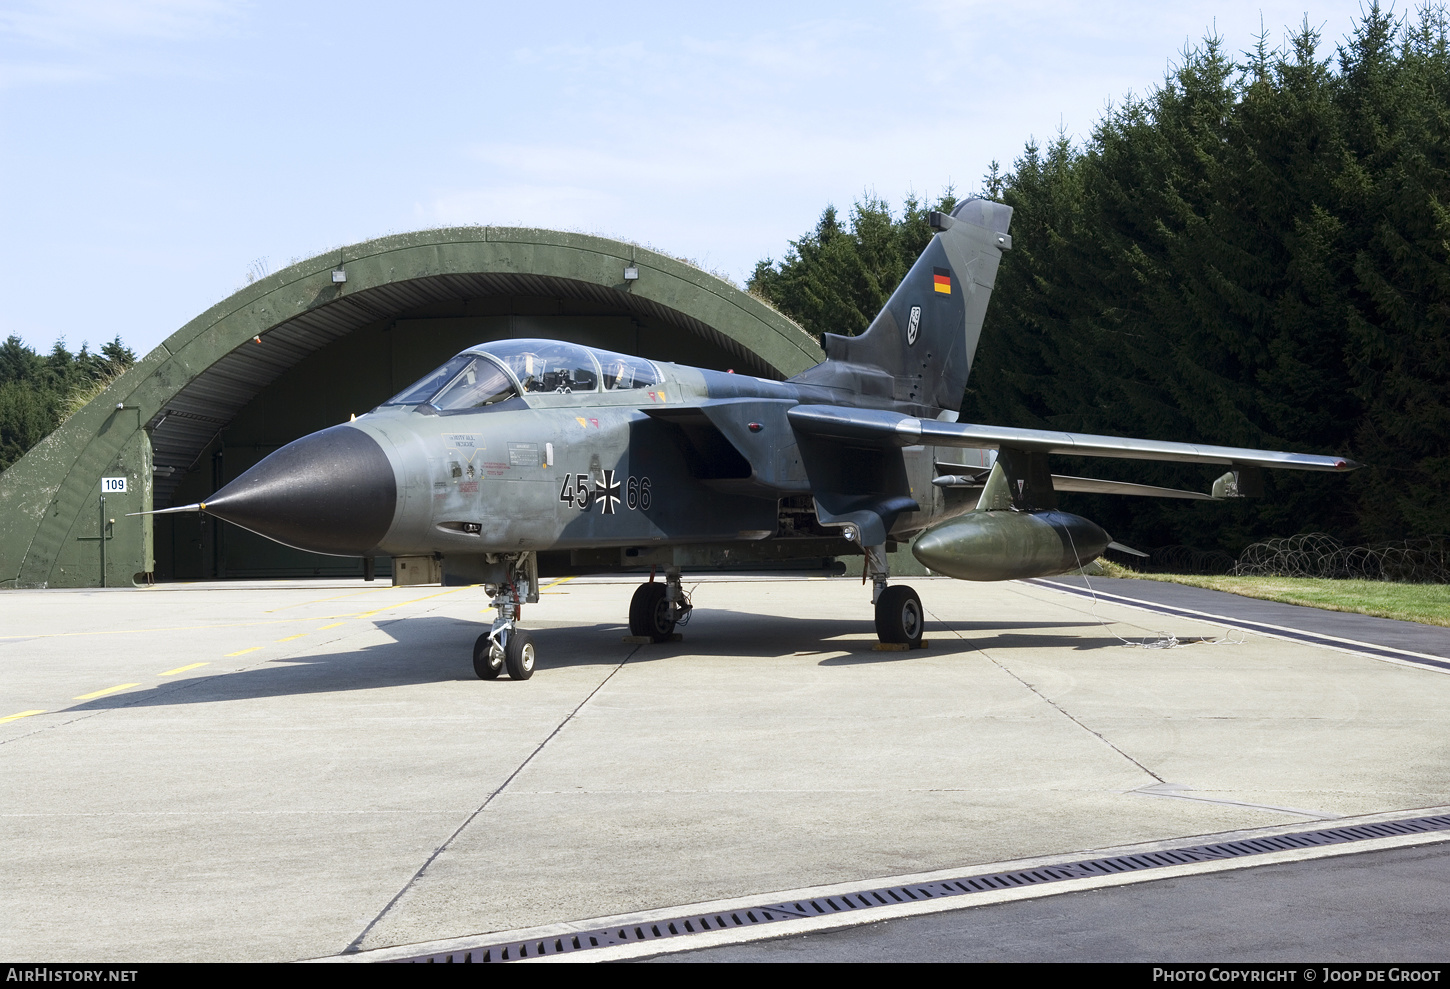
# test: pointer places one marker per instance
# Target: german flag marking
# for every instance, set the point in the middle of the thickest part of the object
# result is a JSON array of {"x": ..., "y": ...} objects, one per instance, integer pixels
[{"x": 941, "y": 280}]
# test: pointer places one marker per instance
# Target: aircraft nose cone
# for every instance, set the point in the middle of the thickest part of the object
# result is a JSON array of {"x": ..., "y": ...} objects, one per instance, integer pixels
[{"x": 331, "y": 492}]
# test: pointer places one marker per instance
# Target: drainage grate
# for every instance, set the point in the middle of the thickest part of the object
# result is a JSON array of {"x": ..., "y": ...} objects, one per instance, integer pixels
[{"x": 886, "y": 896}]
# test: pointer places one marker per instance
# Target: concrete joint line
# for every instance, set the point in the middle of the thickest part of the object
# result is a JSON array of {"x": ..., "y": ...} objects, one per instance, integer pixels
[
  {"x": 1176, "y": 791},
  {"x": 1056, "y": 706},
  {"x": 355, "y": 946}
]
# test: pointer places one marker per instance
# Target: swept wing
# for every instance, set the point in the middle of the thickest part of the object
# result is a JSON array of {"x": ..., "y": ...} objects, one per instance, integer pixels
[{"x": 881, "y": 428}]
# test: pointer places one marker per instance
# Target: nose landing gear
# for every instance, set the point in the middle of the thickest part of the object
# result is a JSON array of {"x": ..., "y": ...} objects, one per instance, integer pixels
[{"x": 506, "y": 646}]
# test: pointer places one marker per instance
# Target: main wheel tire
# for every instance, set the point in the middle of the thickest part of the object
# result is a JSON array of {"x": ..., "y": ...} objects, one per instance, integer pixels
[
  {"x": 518, "y": 655},
  {"x": 649, "y": 613},
  {"x": 900, "y": 617},
  {"x": 487, "y": 661}
]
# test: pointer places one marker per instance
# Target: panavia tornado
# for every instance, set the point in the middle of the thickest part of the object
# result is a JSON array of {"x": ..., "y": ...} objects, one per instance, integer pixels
[{"x": 521, "y": 449}]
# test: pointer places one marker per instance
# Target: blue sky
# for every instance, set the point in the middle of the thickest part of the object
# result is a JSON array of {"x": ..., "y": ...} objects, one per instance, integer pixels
[{"x": 152, "y": 152}]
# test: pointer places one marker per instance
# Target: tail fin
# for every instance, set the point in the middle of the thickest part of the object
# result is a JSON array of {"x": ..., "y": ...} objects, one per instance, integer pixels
[{"x": 926, "y": 336}]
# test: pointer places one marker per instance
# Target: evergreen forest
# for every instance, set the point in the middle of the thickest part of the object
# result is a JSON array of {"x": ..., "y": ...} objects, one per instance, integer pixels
[
  {"x": 1256, "y": 253},
  {"x": 38, "y": 393}
]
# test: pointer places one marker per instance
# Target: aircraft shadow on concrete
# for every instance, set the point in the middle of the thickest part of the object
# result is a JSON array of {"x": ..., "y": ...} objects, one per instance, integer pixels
[
  {"x": 943, "y": 644},
  {"x": 424, "y": 650},
  {"x": 717, "y": 632},
  {"x": 720, "y": 632},
  {"x": 1042, "y": 640},
  {"x": 439, "y": 649}
]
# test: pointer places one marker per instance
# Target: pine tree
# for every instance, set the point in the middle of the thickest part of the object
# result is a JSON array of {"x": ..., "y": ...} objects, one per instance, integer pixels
[
  {"x": 1252, "y": 254},
  {"x": 38, "y": 393},
  {"x": 835, "y": 280},
  {"x": 1400, "y": 104}
]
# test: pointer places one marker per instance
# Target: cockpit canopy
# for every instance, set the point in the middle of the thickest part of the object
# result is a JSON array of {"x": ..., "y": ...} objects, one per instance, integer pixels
[{"x": 494, "y": 372}]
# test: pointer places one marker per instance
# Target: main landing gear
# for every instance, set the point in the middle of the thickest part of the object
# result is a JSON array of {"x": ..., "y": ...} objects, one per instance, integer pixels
[
  {"x": 900, "y": 618},
  {"x": 656, "y": 609},
  {"x": 506, "y": 646}
]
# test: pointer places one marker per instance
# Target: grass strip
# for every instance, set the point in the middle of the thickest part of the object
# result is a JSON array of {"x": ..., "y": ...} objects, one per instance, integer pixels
[{"x": 1428, "y": 604}]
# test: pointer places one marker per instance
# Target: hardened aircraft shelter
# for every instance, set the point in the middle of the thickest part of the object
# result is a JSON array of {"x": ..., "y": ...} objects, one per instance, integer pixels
[{"x": 308, "y": 346}]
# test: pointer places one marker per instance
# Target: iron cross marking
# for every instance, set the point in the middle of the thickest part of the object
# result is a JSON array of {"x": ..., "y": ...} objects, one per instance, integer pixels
[{"x": 607, "y": 493}]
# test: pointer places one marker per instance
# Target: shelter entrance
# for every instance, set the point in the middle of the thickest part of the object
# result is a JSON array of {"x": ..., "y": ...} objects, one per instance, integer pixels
[
  {"x": 311, "y": 345},
  {"x": 355, "y": 374}
]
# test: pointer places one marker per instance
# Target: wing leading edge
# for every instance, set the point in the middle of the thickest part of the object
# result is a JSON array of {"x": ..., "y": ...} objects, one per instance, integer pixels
[{"x": 881, "y": 428}]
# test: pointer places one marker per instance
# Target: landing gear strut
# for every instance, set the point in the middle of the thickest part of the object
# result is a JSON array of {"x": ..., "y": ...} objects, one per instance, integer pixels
[
  {"x": 900, "y": 619},
  {"x": 505, "y": 646},
  {"x": 656, "y": 609}
]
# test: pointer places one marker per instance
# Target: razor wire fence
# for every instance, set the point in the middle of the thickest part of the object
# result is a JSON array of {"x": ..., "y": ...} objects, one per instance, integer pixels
[
  {"x": 1186, "y": 559},
  {"x": 1425, "y": 560}
]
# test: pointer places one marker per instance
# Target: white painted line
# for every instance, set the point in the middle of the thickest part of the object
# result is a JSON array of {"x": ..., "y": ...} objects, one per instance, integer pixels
[
  {"x": 1388, "y": 654},
  {"x": 871, "y": 915}
]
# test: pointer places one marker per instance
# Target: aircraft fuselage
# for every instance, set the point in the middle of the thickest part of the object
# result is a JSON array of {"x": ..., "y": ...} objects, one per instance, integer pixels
[{"x": 595, "y": 469}]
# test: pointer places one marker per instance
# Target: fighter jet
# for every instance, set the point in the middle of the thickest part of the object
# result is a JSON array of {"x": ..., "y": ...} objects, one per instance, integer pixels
[{"x": 521, "y": 452}]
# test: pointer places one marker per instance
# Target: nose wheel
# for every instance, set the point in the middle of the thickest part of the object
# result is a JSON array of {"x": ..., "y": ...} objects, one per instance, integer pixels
[
  {"x": 518, "y": 655},
  {"x": 505, "y": 646},
  {"x": 487, "y": 658}
]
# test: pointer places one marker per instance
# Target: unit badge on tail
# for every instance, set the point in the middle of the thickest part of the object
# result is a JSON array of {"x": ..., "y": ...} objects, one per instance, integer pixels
[{"x": 913, "y": 325}]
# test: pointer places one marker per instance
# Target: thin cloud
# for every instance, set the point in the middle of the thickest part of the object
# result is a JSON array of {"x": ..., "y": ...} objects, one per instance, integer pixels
[
  {"x": 76, "y": 41},
  {"x": 84, "y": 24}
]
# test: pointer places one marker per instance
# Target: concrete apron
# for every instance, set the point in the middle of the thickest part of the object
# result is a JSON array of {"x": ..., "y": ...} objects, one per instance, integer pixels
[{"x": 335, "y": 776}]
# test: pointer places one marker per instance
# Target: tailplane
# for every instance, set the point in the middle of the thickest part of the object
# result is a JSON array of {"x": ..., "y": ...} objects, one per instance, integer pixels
[{"x": 925, "y": 338}]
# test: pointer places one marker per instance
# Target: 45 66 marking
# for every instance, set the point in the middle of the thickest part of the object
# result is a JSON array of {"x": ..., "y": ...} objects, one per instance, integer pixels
[{"x": 577, "y": 493}]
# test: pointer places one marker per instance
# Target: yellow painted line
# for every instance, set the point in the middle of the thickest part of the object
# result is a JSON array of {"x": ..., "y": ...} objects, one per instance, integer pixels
[
  {"x": 22, "y": 714},
  {"x": 291, "y": 637},
  {"x": 335, "y": 597},
  {"x": 108, "y": 690},
  {"x": 556, "y": 583},
  {"x": 242, "y": 652},
  {"x": 333, "y": 625},
  {"x": 178, "y": 628},
  {"x": 544, "y": 589},
  {"x": 180, "y": 669},
  {"x": 404, "y": 604},
  {"x": 192, "y": 628}
]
